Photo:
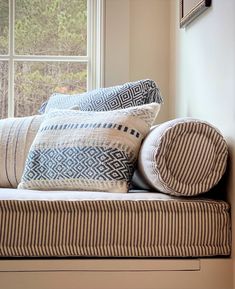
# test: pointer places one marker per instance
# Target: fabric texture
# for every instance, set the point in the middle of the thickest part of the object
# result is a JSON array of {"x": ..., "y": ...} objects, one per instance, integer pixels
[
  {"x": 104, "y": 99},
  {"x": 114, "y": 228},
  {"x": 139, "y": 182},
  {"x": 16, "y": 135},
  {"x": 87, "y": 150},
  {"x": 183, "y": 157},
  {"x": 65, "y": 195}
]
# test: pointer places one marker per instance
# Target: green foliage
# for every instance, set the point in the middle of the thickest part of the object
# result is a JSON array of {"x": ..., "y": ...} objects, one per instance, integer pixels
[
  {"x": 3, "y": 88},
  {"x": 4, "y": 19},
  {"x": 45, "y": 27},
  {"x": 36, "y": 81},
  {"x": 52, "y": 27}
]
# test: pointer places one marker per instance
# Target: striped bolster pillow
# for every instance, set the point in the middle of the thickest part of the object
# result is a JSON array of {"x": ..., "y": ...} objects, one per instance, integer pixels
[
  {"x": 16, "y": 137},
  {"x": 183, "y": 157}
]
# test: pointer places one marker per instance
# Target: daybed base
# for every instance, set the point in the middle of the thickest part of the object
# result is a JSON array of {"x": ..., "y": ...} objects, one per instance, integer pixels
[{"x": 116, "y": 273}]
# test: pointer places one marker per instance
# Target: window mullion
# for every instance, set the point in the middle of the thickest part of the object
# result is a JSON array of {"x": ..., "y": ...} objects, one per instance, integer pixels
[
  {"x": 50, "y": 58},
  {"x": 11, "y": 60},
  {"x": 89, "y": 45},
  {"x": 95, "y": 43},
  {"x": 4, "y": 57},
  {"x": 99, "y": 69}
]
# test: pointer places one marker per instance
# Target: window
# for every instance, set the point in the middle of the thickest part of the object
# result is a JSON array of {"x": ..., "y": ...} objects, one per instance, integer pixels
[{"x": 47, "y": 46}]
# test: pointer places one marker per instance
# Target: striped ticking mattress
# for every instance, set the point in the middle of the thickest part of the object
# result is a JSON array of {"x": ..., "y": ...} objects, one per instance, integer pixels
[{"x": 42, "y": 224}]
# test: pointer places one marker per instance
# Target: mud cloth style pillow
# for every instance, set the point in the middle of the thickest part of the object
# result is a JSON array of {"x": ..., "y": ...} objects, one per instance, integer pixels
[
  {"x": 104, "y": 99},
  {"x": 16, "y": 137},
  {"x": 183, "y": 157},
  {"x": 77, "y": 150}
]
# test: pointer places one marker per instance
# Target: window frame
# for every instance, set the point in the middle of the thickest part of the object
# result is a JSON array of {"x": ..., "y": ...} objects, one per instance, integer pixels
[{"x": 93, "y": 59}]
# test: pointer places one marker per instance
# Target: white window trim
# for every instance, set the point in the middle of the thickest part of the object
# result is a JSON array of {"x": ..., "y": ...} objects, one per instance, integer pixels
[
  {"x": 96, "y": 44},
  {"x": 95, "y": 50}
]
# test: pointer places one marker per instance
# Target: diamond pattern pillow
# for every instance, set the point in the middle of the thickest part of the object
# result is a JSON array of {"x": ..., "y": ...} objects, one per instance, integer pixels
[
  {"x": 77, "y": 150},
  {"x": 104, "y": 99}
]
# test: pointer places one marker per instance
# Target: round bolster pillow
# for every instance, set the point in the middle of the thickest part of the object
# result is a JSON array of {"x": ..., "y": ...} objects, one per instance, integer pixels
[{"x": 183, "y": 157}]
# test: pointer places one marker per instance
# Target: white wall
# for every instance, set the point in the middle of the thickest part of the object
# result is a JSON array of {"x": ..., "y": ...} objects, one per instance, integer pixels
[
  {"x": 137, "y": 44},
  {"x": 117, "y": 42},
  {"x": 197, "y": 75},
  {"x": 202, "y": 79}
]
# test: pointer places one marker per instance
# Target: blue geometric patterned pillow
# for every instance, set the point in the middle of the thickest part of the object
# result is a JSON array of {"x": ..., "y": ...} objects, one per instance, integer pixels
[
  {"x": 104, "y": 99},
  {"x": 94, "y": 151}
]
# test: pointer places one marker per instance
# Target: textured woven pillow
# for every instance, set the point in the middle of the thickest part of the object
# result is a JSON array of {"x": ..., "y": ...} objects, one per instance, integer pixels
[
  {"x": 16, "y": 137},
  {"x": 97, "y": 151},
  {"x": 104, "y": 99},
  {"x": 183, "y": 157}
]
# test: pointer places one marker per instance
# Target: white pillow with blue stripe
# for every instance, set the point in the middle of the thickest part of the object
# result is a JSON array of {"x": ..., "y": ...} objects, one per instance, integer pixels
[{"x": 94, "y": 151}]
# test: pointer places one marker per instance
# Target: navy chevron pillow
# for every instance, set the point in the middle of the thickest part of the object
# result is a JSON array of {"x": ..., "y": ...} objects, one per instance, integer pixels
[{"x": 104, "y": 99}]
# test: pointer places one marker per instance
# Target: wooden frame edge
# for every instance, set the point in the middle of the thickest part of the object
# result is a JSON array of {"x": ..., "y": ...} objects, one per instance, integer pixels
[{"x": 193, "y": 13}]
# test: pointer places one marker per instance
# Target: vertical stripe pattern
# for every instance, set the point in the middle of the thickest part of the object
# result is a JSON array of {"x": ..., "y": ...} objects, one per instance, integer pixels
[
  {"x": 175, "y": 228},
  {"x": 16, "y": 135},
  {"x": 183, "y": 157}
]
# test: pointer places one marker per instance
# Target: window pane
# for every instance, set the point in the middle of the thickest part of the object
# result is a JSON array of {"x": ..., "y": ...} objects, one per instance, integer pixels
[
  {"x": 36, "y": 81},
  {"x": 3, "y": 88},
  {"x": 4, "y": 26},
  {"x": 52, "y": 27}
]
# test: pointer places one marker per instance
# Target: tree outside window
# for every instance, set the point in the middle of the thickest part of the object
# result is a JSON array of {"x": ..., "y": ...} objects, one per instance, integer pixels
[{"x": 44, "y": 48}]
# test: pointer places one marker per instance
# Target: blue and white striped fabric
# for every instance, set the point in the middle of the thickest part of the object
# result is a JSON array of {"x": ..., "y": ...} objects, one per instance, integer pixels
[{"x": 104, "y": 99}]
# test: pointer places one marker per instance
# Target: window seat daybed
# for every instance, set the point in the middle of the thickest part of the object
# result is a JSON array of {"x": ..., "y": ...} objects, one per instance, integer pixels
[
  {"x": 46, "y": 235},
  {"x": 88, "y": 224},
  {"x": 68, "y": 219}
]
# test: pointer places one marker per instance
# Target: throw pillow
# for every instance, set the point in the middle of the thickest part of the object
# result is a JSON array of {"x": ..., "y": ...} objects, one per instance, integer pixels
[
  {"x": 77, "y": 150},
  {"x": 111, "y": 98},
  {"x": 183, "y": 157},
  {"x": 16, "y": 135}
]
